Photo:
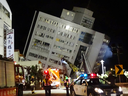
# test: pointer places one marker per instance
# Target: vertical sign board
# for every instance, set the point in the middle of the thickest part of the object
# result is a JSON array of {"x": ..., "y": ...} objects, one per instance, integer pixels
[
  {"x": 10, "y": 44},
  {"x": 119, "y": 69}
]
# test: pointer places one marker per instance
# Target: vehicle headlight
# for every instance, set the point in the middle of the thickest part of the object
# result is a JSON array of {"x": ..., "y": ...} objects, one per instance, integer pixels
[
  {"x": 98, "y": 90},
  {"x": 120, "y": 89}
]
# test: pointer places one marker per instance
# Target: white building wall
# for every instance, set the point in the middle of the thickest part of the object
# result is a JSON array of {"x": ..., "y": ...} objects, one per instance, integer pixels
[
  {"x": 87, "y": 21},
  {"x": 16, "y": 56},
  {"x": 5, "y": 4},
  {"x": 55, "y": 41},
  {"x": 29, "y": 63},
  {"x": 4, "y": 20},
  {"x": 1, "y": 38},
  {"x": 95, "y": 48},
  {"x": 84, "y": 20},
  {"x": 67, "y": 15},
  {"x": 18, "y": 60},
  {"x": 83, "y": 10},
  {"x": 78, "y": 18}
]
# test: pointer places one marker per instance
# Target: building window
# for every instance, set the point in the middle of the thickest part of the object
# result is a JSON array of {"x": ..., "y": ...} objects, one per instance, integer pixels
[
  {"x": 65, "y": 42},
  {"x": 62, "y": 49},
  {"x": 42, "y": 57},
  {"x": 44, "y": 28},
  {"x": 33, "y": 55},
  {"x": 71, "y": 44},
  {"x": 53, "y": 61},
  {"x": 6, "y": 11},
  {"x": 40, "y": 45},
  {"x": 48, "y": 29},
  {"x": 38, "y": 26},
  {"x": 39, "y": 34},
  {"x": 85, "y": 37},
  {"x": 66, "y": 57}
]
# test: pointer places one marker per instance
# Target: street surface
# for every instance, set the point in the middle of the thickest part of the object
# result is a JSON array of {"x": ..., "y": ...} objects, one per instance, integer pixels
[
  {"x": 54, "y": 92},
  {"x": 59, "y": 92}
]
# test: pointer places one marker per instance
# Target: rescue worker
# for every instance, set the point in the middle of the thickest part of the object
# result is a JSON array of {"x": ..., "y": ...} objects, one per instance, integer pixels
[
  {"x": 65, "y": 78},
  {"x": 32, "y": 84},
  {"x": 111, "y": 78},
  {"x": 67, "y": 86},
  {"x": 47, "y": 85}
]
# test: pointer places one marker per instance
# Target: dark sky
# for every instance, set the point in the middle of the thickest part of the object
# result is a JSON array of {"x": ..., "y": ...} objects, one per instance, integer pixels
[{"x": 110, "y": 18}]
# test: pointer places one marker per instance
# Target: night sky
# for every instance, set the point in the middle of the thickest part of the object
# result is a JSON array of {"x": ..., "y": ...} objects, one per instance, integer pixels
[{"x": 110, "y": 18}]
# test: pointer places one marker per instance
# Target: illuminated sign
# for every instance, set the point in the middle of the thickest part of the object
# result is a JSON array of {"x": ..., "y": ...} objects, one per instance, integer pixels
[{"x": 10, "y": 44}]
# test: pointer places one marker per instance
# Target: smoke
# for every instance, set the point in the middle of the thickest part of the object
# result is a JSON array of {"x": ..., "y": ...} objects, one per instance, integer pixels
[
  {"x": 108, "y": 53},
  {"x": 108, "y": 57}
]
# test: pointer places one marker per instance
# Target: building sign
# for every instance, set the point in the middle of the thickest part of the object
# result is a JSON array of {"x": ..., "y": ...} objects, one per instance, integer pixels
[{"x": 10, "y": 44}]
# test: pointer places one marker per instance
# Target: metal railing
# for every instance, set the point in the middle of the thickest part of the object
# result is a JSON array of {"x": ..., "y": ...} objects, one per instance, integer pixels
[{"x": 87, "y": 63}]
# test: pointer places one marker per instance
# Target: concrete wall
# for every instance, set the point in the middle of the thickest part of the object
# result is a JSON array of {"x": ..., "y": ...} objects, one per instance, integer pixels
[
  {"x": 5, "y": 4},
  {"x": 7, "y": 77},
  {"x": 83, "y": 10},
  {"x": 1, "y": 38},
  {"x": 95, "y": 48},
  {"x": 16, "y": 56},
  {"x": 67, "y": 15}
]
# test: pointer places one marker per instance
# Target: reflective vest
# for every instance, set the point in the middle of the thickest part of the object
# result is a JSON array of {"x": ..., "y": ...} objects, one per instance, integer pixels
[{"x": 47, "y": 82}]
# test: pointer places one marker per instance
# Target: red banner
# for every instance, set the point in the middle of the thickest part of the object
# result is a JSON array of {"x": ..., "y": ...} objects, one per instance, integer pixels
[{"x": 8, "y": 92}]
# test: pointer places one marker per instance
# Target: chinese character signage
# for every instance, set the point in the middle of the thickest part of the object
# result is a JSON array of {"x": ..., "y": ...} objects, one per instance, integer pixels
[{"x": 10, "y": 44}]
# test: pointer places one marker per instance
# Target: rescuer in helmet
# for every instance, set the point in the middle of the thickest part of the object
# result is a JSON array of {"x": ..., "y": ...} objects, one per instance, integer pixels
[
  {"x": 47, "y": 85},
  {"x": 32, "y": 84}
]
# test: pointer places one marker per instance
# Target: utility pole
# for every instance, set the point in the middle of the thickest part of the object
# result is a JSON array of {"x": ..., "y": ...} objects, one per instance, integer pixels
[{"x": 117, "y": 50}]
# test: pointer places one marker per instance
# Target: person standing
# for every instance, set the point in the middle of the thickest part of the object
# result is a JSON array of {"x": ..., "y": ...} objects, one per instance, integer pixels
[
  {"x": 32, "y": 84},
  {"x": 67, "y": 86},
  {"x": 71, "y": 87},
  {"x": 69, "y": 80},
  {"x": 111, "y": 78},
  {"x": 65, "y": 78},
  {"x": 47, "y": 85}
]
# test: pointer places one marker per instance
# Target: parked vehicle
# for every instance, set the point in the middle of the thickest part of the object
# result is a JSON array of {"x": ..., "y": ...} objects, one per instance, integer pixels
[{"x": 95, "y": 87}]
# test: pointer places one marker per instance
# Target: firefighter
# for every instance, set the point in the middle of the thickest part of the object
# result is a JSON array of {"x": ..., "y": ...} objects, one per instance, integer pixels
[
  {"x": 32, "y": 84},
  {"x": 47, "y": 85}
]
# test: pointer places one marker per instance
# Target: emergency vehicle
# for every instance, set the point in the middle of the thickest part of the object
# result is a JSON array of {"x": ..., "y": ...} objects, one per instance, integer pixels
[
  {"x": 54, "y": 77},
  {"x": 92, "y": 85}
]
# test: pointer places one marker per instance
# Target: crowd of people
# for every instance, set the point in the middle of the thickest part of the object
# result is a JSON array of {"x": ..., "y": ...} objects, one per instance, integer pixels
[{"x": 66, "y": 83}]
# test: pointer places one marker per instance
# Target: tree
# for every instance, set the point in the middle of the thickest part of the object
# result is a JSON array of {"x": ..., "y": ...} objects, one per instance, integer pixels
[
  {"x": 38, "y": 74},
  {"x": 34, "y": 71}
]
